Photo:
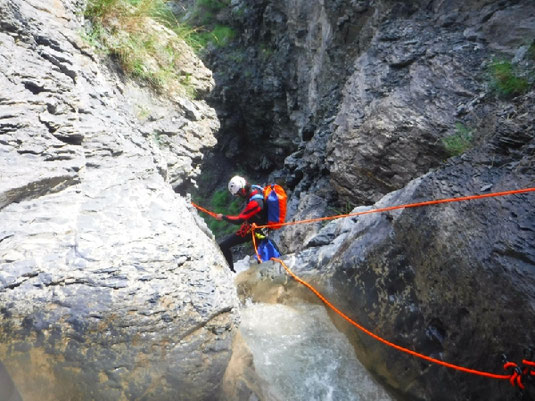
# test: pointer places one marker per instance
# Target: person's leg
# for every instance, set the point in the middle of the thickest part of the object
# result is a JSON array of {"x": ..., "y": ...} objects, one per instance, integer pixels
[{"x": 228, "y": 242}]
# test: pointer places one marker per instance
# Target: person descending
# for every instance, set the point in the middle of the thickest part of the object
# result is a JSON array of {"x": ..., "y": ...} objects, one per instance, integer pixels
[{"x": 253, "y": 212}]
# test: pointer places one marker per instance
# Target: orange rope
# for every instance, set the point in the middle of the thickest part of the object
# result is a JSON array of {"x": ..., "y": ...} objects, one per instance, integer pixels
[
  {"x": 376, "y": 337},
  {"x": 409, "y": 205},
  {"x": 202, "y": 209},
  {"x": 511, "y": 377}
]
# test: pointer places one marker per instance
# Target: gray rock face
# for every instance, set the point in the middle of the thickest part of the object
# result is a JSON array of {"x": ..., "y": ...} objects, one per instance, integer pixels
[
  {"x": 417, "y": 79},
  {"x": 360, "y": 92},
  {"x": 454, "y": 282},
  {"x": 109, "y": 287},
  {"x": 363, "y": 93},
  {"x": 397, "y": 107}
]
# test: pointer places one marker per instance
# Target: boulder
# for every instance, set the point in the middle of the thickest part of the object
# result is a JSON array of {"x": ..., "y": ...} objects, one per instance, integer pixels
[
  {"x": 110, "y": 287},
  {"x": 453, "y": 281}
]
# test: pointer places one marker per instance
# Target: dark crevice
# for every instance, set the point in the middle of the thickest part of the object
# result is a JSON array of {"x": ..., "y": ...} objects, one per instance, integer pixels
[
  {"x": 51, "y": 127},
  {"x": 36, "y": 189},
  {"x": 75, "y": 139},
  {"x": 6, "y": 128},
  {"x": 15, "y": 285},
  {"x": 60, "y": 64},
  {"x": 203, "y": 324},
  {"x": 64, "y": 282},
  {"x": 28, "y": 152},
  {"x": 48, "y": 42},
  {"x": 18, "y": 284},
  {"x": 6, "y": 237},
  {"x": 60, "y": 59},
  {"x": 34, "y": 88}
]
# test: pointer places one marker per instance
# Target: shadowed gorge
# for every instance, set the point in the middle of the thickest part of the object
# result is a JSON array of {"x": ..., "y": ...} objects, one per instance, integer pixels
[{"x": 112, "y": 286}]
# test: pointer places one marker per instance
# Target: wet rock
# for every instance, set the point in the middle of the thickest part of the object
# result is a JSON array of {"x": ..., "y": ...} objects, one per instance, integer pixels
[
  {"x": 427, "y": 278},
  {"x": 8, "y": 391}
]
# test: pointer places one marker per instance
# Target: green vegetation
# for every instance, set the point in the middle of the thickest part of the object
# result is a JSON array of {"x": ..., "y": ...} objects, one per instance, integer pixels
[
  {"x": 340, "y": 208},
  {"x": 209, "y": 31},
  {"x": 157, "y": 138},
  {"x": 145, "y": 38},
  {"x": 506, "y": 79},
  {"x": 214, "y": 5},
  {"x": 142, "y": 112},
  {"x": 221, "y": 202},
  {"x": 459, "y": 142},
  {"x": 265, "y": 51},
  {"x": 219, "y": 35},
  {"x": 223, "y": 34}
]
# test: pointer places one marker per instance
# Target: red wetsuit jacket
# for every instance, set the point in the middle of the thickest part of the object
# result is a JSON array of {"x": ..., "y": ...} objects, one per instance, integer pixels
[{"x": 253, "y": 211}]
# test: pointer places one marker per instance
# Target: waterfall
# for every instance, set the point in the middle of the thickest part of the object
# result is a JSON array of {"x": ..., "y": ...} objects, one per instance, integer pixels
[{"x": 299, "y": 352}]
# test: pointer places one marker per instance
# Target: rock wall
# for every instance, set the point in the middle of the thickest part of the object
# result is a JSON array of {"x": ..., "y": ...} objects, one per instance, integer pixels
[
  {"x": 350, "y": 100},
  {"x": 110, "y": 288},
  {"x": 454, "y": 282},
  {"x": 358, "y": 95}
]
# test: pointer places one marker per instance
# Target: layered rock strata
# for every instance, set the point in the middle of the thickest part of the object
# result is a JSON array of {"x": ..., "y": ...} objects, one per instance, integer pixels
[{"x": 109, "y": 287}]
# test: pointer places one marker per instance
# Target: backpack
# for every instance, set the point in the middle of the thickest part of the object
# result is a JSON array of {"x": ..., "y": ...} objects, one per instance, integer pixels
[
  {"x": 274, "y": 198},
  {"x": 267, "y": 250}
]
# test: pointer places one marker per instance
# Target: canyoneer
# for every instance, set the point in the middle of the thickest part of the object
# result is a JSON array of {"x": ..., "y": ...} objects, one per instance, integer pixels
[{"x": 254, "y": 212}]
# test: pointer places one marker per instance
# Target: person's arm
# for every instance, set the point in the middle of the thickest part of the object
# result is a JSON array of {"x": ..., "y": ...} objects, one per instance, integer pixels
[{"x": 252, "y": 208}]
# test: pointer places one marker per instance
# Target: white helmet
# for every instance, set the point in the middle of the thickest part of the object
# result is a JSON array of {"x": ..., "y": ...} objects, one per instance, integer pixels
[{"x": 235, "y": 184}]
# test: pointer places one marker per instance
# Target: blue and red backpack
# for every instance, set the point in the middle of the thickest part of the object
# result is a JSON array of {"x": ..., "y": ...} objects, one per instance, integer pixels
[{"x": 274, "y": 198}]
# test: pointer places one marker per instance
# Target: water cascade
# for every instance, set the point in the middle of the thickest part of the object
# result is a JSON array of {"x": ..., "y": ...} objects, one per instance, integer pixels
[{"x": 299, "y": 352}]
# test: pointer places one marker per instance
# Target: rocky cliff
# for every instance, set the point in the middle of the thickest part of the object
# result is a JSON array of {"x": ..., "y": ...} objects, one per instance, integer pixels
[
  {"x": 353, "y": 102},
  {"x": 109, "y": 287},
  {"x": 318, "y": 81},
  {"x": 112, "y": 289}
]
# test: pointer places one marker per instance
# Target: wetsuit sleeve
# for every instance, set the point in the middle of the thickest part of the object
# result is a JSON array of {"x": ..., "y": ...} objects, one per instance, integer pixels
[{"x": 252, "y": 208}]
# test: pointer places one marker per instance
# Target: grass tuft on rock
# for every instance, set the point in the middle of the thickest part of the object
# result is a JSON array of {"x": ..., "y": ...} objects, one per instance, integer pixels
[{"x": 145, "y": 38}]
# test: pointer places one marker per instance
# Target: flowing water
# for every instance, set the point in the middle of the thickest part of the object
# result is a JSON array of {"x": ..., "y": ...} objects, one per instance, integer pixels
[{"x": 301, "y": 354}]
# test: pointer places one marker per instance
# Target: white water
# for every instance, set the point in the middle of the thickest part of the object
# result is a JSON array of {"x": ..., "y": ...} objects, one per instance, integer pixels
[{"x": 301, "y": 354}]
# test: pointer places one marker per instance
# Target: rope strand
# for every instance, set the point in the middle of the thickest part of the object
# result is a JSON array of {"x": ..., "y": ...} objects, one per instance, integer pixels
[
  {"x": 406, "y": 206},
  {"x": 202, "y": 209},
  {"x": 514, "y": 378},
  {"x": 382, "y": 340}
]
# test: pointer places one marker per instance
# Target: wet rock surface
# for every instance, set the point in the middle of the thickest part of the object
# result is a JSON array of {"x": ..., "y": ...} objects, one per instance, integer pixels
[
  {"x": 358, "y": 98},
  {"x": 454, "y": 282},
  {"x": 111, "y": 287}
]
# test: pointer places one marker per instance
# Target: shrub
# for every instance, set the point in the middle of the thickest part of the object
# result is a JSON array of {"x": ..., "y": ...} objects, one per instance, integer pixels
[
  {"x": 208, "y": 31},
  {"x": 506, "y": 81},
  {"x": 459, "y": 142},
  {"x": 220, "y": 199},
  {"x": 221, "y": 202},
  {"x": 213, "y": 4},
  {"x": 222, "y": 35},
  {"x": 219, "y": 36}
]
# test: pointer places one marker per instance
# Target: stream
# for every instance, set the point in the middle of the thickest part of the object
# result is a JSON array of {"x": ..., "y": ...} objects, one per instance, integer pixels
[{"x": 301, "y": 355}]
